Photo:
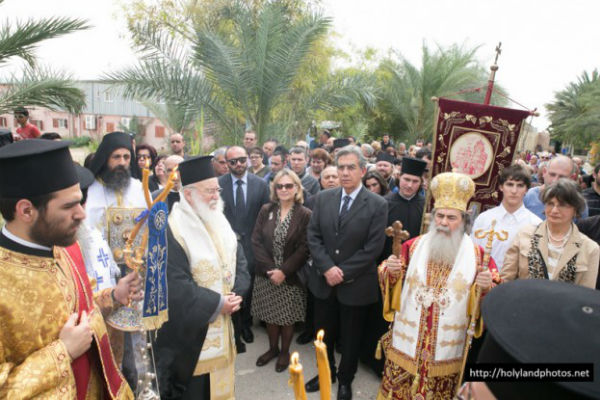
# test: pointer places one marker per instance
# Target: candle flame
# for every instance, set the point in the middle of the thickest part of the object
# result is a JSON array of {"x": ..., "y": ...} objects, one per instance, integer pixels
[
  {"x": 147, "y": 164},
  {"x": 320, "y": 335},
  {"x": 295, "y": 358}
]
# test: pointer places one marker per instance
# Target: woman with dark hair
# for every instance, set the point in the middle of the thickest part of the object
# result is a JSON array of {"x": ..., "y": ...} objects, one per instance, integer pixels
[
  {"x": 159, "y": 176},
  {"x": 146, "y": 155},
  {"x": 554, "y": 249},
  {"x": 280, "y": 251},
  {"x": 375, "y": 183}
]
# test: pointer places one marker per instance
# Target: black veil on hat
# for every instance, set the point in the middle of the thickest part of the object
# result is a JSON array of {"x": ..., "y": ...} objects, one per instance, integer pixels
[
  {"x": 110, "y": 142},
  {"x": 413, "y": 166},
  {"x": 542, "y": 321},
  {"x": 35, "y": 167},
  {"x": 196, "y": 169}
]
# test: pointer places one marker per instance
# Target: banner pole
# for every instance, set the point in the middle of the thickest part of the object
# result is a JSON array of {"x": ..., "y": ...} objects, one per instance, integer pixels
[{"x": 493, "y": 68}]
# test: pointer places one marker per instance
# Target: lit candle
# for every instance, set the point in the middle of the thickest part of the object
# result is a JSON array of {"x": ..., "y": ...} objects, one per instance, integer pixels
[
  {"x": 323, "y": 366},
  {"x": 297, "y": 377},
  {"x": 145, "y": 188}
]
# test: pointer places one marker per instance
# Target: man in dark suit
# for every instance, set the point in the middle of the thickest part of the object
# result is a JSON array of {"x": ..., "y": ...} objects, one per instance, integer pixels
[
  {"x": 243, "y": 194},
  {"x": 345, "y": 237}
]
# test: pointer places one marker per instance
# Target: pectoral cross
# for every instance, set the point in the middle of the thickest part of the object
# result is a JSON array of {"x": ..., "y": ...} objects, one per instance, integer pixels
[
  {"x": 490, "y": 234},
  {"x": 395, "y": 231}
]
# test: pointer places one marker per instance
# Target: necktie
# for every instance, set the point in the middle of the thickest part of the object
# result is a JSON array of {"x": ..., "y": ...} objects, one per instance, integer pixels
[
  {"x": 345, "y": 207},
  {"x": 240, "y": 204}
]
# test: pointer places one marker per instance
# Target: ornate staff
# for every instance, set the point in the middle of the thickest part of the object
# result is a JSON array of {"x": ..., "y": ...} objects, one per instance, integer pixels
[
  {"x": 154, "y": 309},
  {"x": 479, "y": 234}
]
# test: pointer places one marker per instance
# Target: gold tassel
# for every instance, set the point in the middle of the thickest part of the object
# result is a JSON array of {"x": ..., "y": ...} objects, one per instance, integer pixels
[
  {"x": 378, "y": 350},
  {"x": 390, "y": 395},
  {"x": 415, "y": 386}
]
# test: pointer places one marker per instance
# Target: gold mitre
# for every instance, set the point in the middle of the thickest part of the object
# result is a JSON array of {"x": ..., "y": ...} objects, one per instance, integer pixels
[{"x": 452, "y": 190}]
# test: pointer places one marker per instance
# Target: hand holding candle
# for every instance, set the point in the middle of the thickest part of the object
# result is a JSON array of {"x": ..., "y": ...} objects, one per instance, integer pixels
[
  {"x": 145, "y": 187},
  {"x": 323, "y": 366},
  {"x": 297, "y": 377}
]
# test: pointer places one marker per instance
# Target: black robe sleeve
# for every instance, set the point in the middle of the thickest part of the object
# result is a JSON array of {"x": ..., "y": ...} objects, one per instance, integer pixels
[{"x": 179, "y": 341}]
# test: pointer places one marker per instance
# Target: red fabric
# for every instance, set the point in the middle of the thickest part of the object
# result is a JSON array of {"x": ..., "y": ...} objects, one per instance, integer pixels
[
  {"x": 29, "y": 131},
  {"x": 81, "y": 365},
  {"x": 112, "y": 375},
  {"x": 500, "y": 126}
]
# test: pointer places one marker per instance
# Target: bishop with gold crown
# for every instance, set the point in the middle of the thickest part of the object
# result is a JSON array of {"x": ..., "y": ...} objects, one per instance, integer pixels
[{"x": 429, "y": 295}]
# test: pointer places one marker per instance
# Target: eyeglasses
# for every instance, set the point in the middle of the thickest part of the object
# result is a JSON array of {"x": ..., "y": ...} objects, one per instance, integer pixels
[
  {"x": 241, "y": 160},
  {"x": 212, "y": 191},
  {"x": 255, "y": 157},
  {"x": 287, "y": 186}
]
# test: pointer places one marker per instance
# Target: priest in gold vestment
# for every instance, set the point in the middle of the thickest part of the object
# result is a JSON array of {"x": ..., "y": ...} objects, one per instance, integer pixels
[
  {"x": 53, "y": 341},
  {"x": 428, "y": 296}
]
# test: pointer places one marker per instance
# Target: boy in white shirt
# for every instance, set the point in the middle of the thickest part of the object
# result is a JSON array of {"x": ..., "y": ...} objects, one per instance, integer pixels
[{"x": 511, "y": 215}]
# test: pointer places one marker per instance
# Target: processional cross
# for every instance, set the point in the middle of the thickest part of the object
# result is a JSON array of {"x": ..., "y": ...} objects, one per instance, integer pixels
[
  {"x": 395, "y": 231},
  {"x": 490, "y": 234}
]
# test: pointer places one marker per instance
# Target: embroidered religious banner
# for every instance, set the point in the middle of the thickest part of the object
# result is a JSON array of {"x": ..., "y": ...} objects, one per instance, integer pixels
[
  {"x": 155, "y": 311},
  {"x": 477, "y": 140}
]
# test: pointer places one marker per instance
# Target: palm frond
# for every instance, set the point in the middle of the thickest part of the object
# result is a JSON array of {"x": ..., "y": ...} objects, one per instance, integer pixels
[
  {"x": 21, "y": 39},
  {"x": 42, "y": 88}
]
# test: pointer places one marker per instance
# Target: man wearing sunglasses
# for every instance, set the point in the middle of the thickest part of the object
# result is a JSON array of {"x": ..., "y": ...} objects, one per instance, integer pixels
[{"x": 243, "y": 194}]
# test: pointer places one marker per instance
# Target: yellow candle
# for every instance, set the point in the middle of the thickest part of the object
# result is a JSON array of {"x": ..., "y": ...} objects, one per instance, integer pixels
[
  {"x": 297, "y": 377},
  {"x": 323, "y": 366},
  {"x": 145, "y": 188},
  {"x": 167, "y": 188}
]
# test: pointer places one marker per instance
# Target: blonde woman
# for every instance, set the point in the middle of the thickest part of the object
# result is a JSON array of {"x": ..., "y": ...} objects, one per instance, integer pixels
[{"x": 280, "y": 250}]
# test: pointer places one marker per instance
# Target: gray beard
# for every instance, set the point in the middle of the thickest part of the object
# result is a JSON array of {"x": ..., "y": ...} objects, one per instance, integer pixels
[
  {"x": 443, "y": 249},
  {"x": 117, "y": 179}
]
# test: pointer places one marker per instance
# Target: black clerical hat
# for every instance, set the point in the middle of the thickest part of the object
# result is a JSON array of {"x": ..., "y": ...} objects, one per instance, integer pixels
[
  {"x": 339, "y": 143},
  {"x": 383, "y": 156},
  {"x": 196, "y": 169},
  {"x": 110, "y": 142},
  {"x": 35, "y": 167},
  {"x": 413, "y": 166},
  {"x": 86, "y": 178},
  {"x": 541, "y": 321}
]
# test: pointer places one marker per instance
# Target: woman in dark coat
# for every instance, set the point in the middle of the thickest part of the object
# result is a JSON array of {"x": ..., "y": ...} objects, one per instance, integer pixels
[{"x": 280, "y": 250}]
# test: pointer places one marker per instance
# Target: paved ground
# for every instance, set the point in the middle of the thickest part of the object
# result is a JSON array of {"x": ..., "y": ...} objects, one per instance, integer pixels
[{"x": 263, "y": 383}]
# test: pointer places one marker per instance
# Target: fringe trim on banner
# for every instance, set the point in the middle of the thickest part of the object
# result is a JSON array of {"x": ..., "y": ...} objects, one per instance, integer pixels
[{"x": 155, "y": 322}]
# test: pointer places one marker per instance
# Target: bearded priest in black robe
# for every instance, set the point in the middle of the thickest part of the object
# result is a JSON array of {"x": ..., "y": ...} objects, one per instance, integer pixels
[{"x": 206, "y": 277}]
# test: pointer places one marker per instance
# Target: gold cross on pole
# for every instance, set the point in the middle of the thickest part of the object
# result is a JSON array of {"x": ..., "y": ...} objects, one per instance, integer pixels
[
  {"x": 395, "y": 231},
  {"x": 490, "y": 234}
]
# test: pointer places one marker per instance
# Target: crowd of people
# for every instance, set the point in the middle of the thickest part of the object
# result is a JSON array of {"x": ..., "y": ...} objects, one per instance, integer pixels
[{"x": 266, "y": 235}]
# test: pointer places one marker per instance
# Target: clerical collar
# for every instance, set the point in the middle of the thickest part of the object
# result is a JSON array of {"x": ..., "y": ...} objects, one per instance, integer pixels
[
  {"x": 15, "y": 243},
  {"x": 407, "y": 198}
]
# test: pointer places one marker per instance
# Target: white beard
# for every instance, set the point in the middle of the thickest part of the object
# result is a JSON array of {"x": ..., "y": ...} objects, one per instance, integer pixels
[
  {"x": 443, "y": 248},
  {"x": 213, "y": 219}
]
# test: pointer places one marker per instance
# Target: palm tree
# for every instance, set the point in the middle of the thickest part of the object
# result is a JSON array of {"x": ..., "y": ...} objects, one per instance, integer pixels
[
  {"x": 575, "y": 112},
  {"x": 239, "y": 77},
  {"x": 407, "y": 90},
  {"x": 37, "y": 86}
]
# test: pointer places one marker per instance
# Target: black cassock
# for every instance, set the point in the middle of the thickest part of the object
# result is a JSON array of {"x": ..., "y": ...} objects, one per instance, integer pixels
[
  {"x": 179, "y": 341},
  {"x": 409, "y": 212}
]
